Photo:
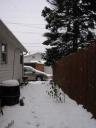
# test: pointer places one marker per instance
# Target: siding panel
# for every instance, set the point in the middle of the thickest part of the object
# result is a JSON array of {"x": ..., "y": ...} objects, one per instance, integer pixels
[{"x": 6, "y": 70}]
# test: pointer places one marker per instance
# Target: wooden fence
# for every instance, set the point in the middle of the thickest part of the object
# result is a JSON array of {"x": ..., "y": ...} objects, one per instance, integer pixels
[{"x": 76, "y": 75}]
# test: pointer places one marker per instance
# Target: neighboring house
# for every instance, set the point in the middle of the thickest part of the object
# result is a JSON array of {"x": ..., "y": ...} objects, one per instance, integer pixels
[
  {"x": 36, "y": 60},
  {"x": 11, "y": 55},
  {"x": 36, "y": 57}
]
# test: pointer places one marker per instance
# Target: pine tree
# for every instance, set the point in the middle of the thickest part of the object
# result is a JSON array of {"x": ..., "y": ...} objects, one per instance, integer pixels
[{"x": 70, "y": 24}]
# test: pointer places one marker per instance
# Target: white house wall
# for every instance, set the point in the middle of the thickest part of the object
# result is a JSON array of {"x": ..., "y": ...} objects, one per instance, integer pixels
[{"x": 6, "y": 70}]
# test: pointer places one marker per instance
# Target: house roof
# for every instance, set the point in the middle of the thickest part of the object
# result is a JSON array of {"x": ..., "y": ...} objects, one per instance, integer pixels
[
  {"x": 34, "y": 58},
  {"x": 11, "y": 37}
]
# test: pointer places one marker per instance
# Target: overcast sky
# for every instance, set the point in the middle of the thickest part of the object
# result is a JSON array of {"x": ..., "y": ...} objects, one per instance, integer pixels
[{"x": 23, "y": 18}]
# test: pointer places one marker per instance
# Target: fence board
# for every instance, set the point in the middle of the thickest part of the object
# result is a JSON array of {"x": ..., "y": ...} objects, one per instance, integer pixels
[{"x": 76, "y": 75}]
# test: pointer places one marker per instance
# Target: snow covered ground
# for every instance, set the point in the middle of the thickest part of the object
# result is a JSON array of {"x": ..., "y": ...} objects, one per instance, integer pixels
[{"x": 41, "y": 111}]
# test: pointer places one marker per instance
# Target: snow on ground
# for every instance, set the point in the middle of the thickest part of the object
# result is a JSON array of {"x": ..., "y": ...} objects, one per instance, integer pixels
[{"x": 41, "y": 111}]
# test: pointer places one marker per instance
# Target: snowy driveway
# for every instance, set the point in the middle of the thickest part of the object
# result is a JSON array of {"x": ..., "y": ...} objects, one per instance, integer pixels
[{"x": 41, "y": 111}]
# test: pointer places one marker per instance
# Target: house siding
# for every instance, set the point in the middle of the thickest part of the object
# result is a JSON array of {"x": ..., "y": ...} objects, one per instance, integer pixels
[{"x": 6, "y": 70}]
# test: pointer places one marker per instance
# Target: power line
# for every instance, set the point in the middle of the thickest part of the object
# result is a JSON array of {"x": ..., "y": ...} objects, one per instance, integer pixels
[
  {"x": 31, "y": 43},
  {"x": 28, "y": 26},
  {"x": 33, "y": 46},
  {"x": 25, "y": 24},
  {"x": 26, "y": 32}
]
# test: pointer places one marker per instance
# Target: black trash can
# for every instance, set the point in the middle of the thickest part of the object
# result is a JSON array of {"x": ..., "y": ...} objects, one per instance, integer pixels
[{"x": 9, "y": 92}]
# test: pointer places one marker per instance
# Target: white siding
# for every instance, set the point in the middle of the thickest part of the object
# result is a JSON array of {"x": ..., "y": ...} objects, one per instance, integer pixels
[{"x": 6, "y": 70}]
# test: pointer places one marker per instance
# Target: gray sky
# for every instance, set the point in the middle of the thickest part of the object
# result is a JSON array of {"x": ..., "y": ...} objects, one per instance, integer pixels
[{"x": 23, "y": 18}]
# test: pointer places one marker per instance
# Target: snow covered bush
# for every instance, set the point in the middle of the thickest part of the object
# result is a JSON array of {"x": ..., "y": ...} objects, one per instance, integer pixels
[
  {"x": 55, "y": 92},
  {"x": 10, "y": 124}
]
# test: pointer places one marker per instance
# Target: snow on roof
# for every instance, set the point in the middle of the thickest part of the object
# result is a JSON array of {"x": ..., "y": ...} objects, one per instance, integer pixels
[{"x": 34, "y": 58}]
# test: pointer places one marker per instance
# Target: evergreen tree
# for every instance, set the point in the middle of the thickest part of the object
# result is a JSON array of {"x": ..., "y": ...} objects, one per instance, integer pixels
[{"x": 70, "y": 24}]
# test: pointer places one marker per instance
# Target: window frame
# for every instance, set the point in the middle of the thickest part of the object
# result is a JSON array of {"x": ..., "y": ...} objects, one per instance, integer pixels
[
  {"x": 21, "y": 58},
  {"x": 4, "y": 52}
]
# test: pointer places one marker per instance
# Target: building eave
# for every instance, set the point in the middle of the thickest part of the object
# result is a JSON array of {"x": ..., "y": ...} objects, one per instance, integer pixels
[{"x": 10, "y": 35}]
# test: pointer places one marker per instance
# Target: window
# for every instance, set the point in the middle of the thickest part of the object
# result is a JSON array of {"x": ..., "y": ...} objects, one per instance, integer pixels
[
  {"x": 3, "y": 53},
  {"x": 21, "y": 59}
]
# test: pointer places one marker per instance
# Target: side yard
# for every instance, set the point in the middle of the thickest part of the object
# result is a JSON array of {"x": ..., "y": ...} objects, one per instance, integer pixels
[{"x": 42, "y": 111}]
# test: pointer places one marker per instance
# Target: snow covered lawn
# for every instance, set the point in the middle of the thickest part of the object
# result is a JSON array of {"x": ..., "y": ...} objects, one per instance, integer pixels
[{"x": 41, "y": 111}]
